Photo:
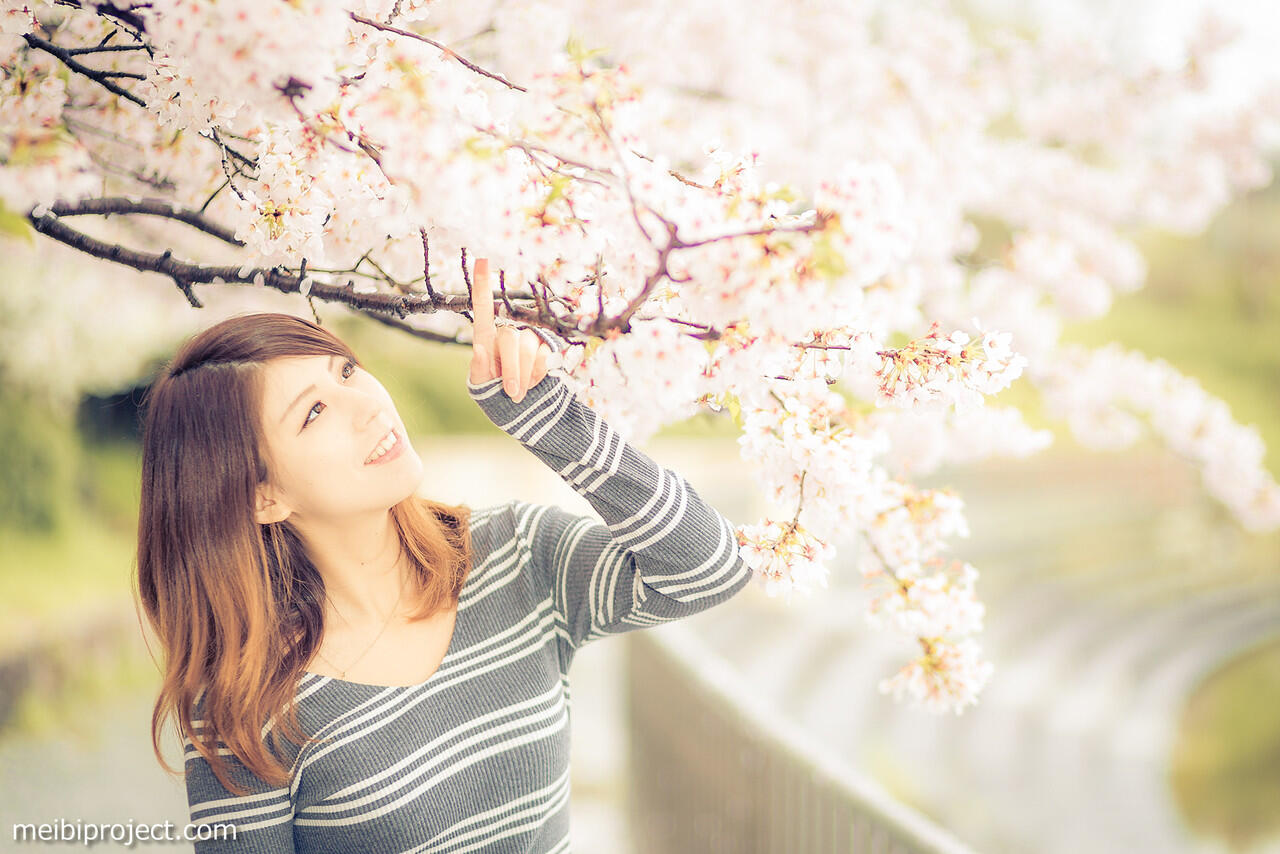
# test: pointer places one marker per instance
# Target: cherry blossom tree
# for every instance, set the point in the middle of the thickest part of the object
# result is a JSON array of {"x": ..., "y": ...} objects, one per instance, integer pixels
[{"x": 843, "y": 223}]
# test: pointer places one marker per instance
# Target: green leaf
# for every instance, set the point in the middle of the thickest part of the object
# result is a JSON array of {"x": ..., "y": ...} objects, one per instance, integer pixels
[
  {"x": 559, "y": 183},
  {"x": 15, "y": 225},
  {"x": 734, "y": 406},
  {"x": 579, "y": 52}
]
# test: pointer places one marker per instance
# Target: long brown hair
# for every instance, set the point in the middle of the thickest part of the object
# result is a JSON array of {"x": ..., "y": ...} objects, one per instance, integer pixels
[{"x": 237, "y": 606}]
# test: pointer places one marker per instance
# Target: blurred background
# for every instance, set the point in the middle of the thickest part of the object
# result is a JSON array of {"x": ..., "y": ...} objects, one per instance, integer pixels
[{"x": 1134, "y": 626}]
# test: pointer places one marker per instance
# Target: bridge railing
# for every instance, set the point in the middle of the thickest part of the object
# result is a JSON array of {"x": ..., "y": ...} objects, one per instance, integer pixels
[{"x": 716, "y": 771}]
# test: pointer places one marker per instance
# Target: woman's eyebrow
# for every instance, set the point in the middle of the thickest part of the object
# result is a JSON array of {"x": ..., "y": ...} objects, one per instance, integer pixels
[{"x": 303, "y": 393}]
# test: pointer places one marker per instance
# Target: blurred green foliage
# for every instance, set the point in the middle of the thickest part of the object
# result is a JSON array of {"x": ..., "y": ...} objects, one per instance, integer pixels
[
  {"x": 41, "y": 454},
  {"x": 87, "y": 555},
  {"x": 1225, "y": 769}
]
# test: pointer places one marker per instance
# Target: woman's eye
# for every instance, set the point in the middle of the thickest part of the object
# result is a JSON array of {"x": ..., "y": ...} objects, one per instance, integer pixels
[{"x": 346, "y": 375}]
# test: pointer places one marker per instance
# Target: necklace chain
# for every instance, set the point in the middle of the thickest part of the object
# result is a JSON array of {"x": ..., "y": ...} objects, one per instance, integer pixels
[{"x": 342, "y": 673}]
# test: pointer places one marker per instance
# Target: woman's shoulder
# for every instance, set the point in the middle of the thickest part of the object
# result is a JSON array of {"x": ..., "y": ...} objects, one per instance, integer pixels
[
  {"x": 515, "y": 521},
  {"x": 494, "y": 523}
]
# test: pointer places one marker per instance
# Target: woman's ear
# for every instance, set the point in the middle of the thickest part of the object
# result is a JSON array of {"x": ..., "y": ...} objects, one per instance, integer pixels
[{"x": 268, "y": 506}]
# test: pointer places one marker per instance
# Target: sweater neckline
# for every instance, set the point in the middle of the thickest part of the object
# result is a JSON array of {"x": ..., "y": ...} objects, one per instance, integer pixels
[
  {"x": 453, "y": 638},
  {"x": 448, "y": 653}
]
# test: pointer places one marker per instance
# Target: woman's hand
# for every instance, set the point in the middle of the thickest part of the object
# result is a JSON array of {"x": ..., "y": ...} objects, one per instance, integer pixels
[{"x": 517, "y": 355}]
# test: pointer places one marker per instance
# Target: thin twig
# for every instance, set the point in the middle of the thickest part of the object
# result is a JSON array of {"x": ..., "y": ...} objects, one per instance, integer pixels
[
  {"x": 426, "y": 263},
  {"x": 673, "y": 173},
  {"x": 70, "y": 62},
  {"x": 805, "y": 228},
  {"x": 110, "y": 10},
  {"x": 214, "y": 195},
  {"x": 622, "y": 166},
  {"x": 443, "y": 48},
  {"x": 466, "y": 277}
]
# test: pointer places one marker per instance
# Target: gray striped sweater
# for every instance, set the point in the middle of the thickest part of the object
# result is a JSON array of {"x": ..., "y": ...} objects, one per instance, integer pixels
[{"x": 476, "y": 758}]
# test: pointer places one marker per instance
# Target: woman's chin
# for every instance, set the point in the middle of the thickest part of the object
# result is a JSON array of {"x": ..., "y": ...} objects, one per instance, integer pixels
[{"x": 414, "y": 473}]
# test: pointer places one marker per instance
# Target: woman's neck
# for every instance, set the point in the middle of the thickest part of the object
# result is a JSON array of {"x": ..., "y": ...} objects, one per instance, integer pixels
[{"x": 363, "y": 567}]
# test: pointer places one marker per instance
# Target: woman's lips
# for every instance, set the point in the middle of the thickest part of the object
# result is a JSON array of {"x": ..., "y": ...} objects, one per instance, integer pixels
[{"x": 390, "y": 455}]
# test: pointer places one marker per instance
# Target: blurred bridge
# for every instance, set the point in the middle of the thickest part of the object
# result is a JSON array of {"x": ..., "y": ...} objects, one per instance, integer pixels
[{"x": 1111, "y": 588}]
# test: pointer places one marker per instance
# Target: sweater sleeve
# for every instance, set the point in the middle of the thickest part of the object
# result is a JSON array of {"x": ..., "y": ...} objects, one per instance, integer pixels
[
  {"x": 259, "y": 822},
  {"x": 662, "y": 553}
]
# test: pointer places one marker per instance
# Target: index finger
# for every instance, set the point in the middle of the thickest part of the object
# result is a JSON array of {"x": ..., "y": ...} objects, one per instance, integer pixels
[{"x": 482, "y": 300}]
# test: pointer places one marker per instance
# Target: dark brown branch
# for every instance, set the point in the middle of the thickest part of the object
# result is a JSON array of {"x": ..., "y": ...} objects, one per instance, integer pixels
[
  {"x": 622, "y": 321},
  {"x": 502, "y": 289},
  {"x": 242, "y": 159},
  {"x": 214, "y": 195},
  {"x": 426, "y": 263},
  {"x": 443, "y": 48},
  {"x": 128, "y": 75},
  {"x": 147, "y": 207},
  {"x": 101, "y": 77},
  {"x": 186, "y": 274},
  {"x": 426, "y": 334},
  {"x": 105, "y": 48},
  {"x": 110, "y": 10},
  {"x": 466, "y": 277}
]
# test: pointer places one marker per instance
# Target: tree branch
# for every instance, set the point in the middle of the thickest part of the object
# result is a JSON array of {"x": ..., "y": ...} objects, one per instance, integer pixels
[
  {"x": 103, "y": 78},
  {"x": 106, "y": 48},
  {"x": 443, "y": 48},
  {"x": 426, "y": 263},
  {"x": 819, "y": 224},
  {"x": 186, "y": 274},
  {"x": 110, "y": 10},
  {"x": 426, "y": 334},
  {"x": 147, "y": 207}
]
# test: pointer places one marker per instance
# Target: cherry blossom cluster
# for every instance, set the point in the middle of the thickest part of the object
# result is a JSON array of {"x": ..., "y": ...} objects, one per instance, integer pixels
[
  {"x": 786, "y": 556},
  {"x": 946, "y": 677},
  {"x": 942, "y": 611},
  {"x": 733, "y": 206},
  {"x": 957, "y": 369}
]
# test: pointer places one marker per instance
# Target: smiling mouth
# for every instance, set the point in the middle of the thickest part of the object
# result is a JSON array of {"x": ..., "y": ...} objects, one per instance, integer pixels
[{"x": 389, "y": 442}]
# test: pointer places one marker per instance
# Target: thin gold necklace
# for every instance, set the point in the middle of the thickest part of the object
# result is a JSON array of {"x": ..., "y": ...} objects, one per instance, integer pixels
[{"x": 342, "y": 673}]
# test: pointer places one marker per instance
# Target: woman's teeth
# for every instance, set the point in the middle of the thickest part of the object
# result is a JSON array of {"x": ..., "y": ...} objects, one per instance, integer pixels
[{"x": 385, "y": 445}]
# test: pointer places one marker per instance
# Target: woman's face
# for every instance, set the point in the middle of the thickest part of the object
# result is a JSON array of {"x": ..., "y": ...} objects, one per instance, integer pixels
[{"x": 325, "y": 421}]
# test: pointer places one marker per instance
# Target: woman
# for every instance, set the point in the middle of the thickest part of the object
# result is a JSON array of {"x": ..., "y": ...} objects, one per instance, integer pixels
[{"x": 353, "y": 668}]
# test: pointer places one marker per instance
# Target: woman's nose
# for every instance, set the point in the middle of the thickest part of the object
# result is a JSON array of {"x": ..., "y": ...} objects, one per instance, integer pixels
[{"x": 366, "y": 409}]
